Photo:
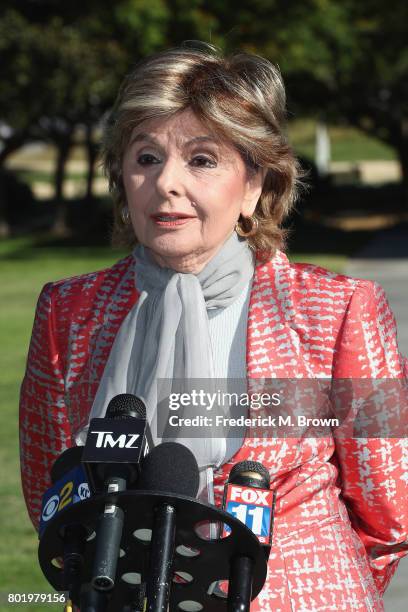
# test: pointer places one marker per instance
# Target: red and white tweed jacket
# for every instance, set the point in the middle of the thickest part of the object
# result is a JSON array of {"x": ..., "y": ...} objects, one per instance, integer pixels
[{"x": 341, "y": 517}]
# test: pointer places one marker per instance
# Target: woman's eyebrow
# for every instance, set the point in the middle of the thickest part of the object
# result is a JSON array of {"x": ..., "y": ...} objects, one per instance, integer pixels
[{"x": 143, "y": 136}]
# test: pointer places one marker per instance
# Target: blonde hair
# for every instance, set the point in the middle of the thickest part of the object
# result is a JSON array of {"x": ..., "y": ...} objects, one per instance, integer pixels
[{"x": 240, "y": 98}]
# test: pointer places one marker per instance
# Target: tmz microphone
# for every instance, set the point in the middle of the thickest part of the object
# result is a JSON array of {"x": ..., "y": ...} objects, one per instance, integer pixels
[
  {"x": 114, "y": 448},
  {"x": 117, "y": 443},
  {"x": 247, "y": 497},
  {"x": 70, "y": 486}
]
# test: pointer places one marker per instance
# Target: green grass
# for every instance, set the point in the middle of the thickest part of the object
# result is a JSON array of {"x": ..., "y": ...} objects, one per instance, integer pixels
[
  {"x": 347, "y": 143},
  {"x": 335, "y": 263},
  {"x": 25, "y": 267},
  {"x": 24, "y": 270}
]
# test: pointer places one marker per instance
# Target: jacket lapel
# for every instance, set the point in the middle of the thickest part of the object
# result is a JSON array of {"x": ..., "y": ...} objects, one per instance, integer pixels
[{"x": 273, "y": 343}]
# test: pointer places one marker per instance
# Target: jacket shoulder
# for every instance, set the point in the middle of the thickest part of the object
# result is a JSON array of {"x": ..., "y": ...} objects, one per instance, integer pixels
[
  {"x": 78, "y": 295},
  {"x": 322, "y": 293},
  {"x": 307, "y": 282},
  {"x": 89, "y": 299},
  {"x": 308, "y": 274},
  {"x": 108, "y": 277},
  {"x": 366, "y": 294},
  {"x": 335, "y": 320}
]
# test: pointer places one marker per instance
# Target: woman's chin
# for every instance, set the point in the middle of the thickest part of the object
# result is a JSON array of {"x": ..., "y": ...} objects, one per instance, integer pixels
[
  {"x": 172, "y": 246},
  {"x": 185, "y": 258}
]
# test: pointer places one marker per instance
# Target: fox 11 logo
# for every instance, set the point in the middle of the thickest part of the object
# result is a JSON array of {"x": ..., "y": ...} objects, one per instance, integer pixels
[{"x": 254, "y": 507}]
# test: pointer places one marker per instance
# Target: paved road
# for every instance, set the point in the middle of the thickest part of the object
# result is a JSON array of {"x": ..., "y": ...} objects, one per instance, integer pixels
[{"x": 385, "y": 260}]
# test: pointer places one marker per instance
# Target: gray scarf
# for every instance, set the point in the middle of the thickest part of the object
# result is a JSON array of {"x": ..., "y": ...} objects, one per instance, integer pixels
[{"x": 165, "y": 337}]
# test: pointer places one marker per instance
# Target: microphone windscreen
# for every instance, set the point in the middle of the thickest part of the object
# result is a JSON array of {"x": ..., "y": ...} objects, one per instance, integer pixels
[
  {"x": 246, "y": 472},
  {"x": 126, "y": 406},
  {"x": 69, "y": 459},
  {"x": 170, "y": 467}
]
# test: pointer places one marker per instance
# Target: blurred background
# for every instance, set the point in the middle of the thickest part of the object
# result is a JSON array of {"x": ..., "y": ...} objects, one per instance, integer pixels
[{"x": 345, "y": 66}]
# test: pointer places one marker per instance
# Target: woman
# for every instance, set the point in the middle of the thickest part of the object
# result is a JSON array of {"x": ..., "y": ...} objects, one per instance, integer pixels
[{"x": 202, "y": 177}]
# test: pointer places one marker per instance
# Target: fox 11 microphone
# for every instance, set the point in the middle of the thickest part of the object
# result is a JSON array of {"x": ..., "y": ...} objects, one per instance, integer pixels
[{"x": 247, "y": 496}]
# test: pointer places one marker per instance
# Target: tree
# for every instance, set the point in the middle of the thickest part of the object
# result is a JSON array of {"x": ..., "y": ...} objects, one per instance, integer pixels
[
  {"x": 63, "y": 62},
  {"x": 56, "y": 78},
  {"x": 345, "y": 59}
]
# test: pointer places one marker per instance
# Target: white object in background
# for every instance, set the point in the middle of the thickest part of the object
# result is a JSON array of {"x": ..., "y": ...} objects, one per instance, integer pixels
[{"x": 322, "y": 149}]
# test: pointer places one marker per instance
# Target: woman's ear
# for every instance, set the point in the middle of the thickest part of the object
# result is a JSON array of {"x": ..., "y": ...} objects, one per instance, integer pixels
[{"x": 253, "y": 191}]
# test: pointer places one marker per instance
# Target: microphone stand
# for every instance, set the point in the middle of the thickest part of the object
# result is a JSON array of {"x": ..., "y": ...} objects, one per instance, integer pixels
[
  {"x": 240, "y": 585},
  {"x": 172, "y": 518},
  {"x": 161, "y": 559}
]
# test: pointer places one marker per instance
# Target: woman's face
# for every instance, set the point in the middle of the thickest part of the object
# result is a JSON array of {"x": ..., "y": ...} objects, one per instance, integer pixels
[{"x": 185, "y": 190}]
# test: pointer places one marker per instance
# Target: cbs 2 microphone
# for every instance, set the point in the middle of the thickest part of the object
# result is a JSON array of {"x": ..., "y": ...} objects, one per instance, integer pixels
[
  {"x": 70, "y": 486},
  {"x": 247, "y": 497}
]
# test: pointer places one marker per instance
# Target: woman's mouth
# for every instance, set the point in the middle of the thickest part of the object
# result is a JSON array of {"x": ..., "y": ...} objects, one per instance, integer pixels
[{"x": 171, "y": 220}]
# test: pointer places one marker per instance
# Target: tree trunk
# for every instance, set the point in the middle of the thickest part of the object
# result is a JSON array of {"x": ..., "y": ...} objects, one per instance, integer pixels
[
  {"x": 4, "y": 224},
  {"x": 60, "y": 227},
  {"x": 91, "y": 150},
  {"x": 12, "y": 144},
  {"x": 9, "y": 146}
]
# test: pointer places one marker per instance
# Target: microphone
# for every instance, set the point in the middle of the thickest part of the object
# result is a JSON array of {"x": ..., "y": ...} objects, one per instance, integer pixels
[
  {"x": 69, "y": 487},
  {"x": 172, "y": 468},
  {"x": 169, "y": 468},
  {"x": 247, "y": 497},
  {"x": 117, "y": 442},
  {"x": 114, "y": 448}
]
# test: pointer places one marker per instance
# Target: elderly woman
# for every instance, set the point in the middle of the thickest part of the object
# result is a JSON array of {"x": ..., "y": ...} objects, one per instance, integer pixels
[{"x": 202, "y": 177}]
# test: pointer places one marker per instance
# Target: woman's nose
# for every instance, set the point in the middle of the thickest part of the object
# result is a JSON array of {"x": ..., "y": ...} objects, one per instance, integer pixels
[{"x": 170, "y": 179}]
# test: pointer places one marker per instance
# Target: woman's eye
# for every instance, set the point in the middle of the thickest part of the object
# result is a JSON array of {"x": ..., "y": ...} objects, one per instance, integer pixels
[
  {"x": 203, "y": 161},
  {"x": 146, "y": 159}
]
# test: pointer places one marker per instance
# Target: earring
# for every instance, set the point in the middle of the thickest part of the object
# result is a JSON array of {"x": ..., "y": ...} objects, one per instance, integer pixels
[
  {"x": 125, "y": 215},
  {"x": 252, "y": 230}
]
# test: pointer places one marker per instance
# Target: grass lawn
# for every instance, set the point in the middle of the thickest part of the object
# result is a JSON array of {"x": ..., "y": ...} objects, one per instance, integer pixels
[
  {"x": 24, "y": 269},
  {"x": 23, "y": 272},
  {"x": 347, "y": 143}
]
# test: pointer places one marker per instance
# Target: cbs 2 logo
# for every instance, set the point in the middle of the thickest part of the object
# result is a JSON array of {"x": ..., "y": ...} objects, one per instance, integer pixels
[{"x": 59, "y": 501}]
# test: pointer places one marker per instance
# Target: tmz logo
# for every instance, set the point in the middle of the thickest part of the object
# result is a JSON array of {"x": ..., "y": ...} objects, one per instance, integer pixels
[{"x": 105, "y": 439}]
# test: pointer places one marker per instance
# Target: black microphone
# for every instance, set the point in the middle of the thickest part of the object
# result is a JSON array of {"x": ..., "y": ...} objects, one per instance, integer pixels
[
  {"x": 117, "y": 442},
  {"x": 169, "y": 468},
  {"x": 116, "y": 446},
  {"x": 69, "y": 487},
  {"x": 247, "y": 497}
]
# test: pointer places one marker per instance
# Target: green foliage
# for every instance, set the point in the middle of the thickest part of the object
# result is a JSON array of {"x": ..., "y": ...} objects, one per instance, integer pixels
[
  {"x": 343, "y": 59},
  {"x": 54, "y": 74}
]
